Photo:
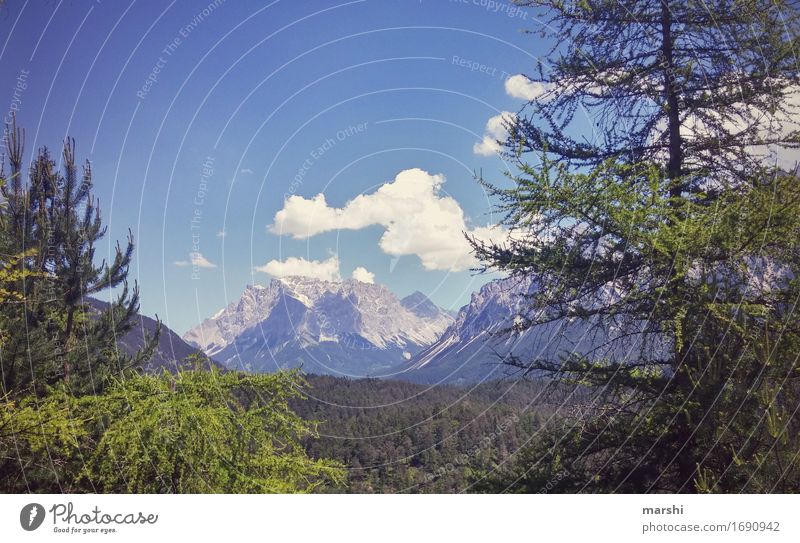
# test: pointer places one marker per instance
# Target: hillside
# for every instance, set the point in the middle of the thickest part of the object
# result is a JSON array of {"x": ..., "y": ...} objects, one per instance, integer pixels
[{"x": 171, "y": 352}]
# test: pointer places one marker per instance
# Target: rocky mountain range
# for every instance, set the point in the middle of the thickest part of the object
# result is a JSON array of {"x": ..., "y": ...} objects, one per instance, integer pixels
[
  {"x": 358, "y": 329},
  {"x": 346, "y": 328},
  {"x": 361, "y": 329}
]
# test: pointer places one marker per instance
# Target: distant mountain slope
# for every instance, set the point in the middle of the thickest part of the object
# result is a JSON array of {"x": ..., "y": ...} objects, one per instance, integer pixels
[
  {"x": 343, "y": 328},
  {"x": 475, "y": 345},
  {"x": 171, "y": 352}
]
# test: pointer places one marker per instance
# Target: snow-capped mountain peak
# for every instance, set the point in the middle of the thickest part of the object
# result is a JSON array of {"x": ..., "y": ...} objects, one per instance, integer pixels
[{"x": 303, "y": 320}]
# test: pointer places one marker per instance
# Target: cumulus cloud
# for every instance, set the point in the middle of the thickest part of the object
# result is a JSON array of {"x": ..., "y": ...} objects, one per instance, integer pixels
[
  {"x": 196, "y": 260},
  {"x": 519, "y": 86},
  {"x": 416, "y": 217},
  {"x": 327, "y": 270},
  {"x": 362, "y": 274},
  {"x": 200, "y": 261},
  {"x": 495, "y": 130}
]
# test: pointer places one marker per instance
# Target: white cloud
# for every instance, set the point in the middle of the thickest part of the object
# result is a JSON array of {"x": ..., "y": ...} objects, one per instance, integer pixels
[
  {"x": 495, "y": 130},
  {"x": 417, "y": 220},
  {"x": 196, "y": 260},
  {"x": 222, "y": 234},
  {"x": 200, "y": 261},
  {"x": 362, "y": 274},
  {"x": 245, "y": 171},
  {"x": 519, "y": 86},
  {"x": 327, "y": 270}
]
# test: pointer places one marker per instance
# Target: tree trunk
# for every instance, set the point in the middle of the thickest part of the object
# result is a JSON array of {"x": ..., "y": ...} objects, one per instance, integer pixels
[{"x": 674, "y": 165}]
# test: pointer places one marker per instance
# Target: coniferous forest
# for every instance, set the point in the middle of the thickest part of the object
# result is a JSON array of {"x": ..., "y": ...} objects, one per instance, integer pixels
[{"x": 663, "y": 228}]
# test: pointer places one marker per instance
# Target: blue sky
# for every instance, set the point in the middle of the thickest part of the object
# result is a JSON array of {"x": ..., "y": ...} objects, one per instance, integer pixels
[{"x": 202, "y": 123}]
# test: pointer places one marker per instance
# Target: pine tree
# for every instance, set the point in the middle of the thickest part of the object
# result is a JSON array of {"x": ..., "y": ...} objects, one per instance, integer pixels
[
  {"x": 53, "y": 221},
  {"x": 671, "y": 236}
]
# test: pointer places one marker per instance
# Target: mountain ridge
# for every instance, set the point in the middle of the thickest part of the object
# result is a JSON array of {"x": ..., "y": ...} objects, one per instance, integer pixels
[
  {"x": 357, "y": 329},
  {"x": 170, "y": 354},
  {"x": 342, "y": 328}
]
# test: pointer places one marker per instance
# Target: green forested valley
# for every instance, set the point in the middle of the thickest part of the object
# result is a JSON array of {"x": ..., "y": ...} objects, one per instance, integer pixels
[{"x": 403, "y": 437}]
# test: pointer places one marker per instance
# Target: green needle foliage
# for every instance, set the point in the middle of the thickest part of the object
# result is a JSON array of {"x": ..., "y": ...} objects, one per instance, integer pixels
[
  {"x": 206, "y": 431},
  {"x": 697, "y": 307},
  {"x": 669, "y": 239},
  {"x": 195, "y": 432}
]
